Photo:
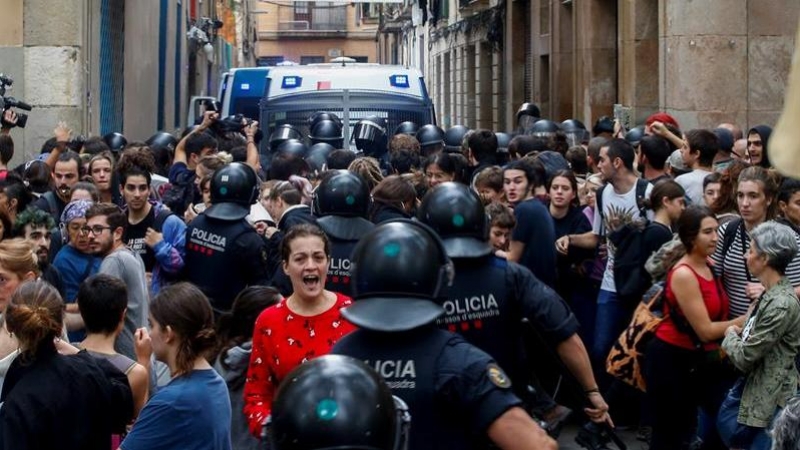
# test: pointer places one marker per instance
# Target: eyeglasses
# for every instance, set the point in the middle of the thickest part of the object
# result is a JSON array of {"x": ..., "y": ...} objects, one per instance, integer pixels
[{"x": 96, "y": 230}]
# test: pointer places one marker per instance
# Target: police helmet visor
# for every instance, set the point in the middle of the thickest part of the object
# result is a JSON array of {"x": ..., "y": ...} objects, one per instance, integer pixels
[
  {"x": 227, "y": 211},
  {"x": 368, "y": 131},
  {"x": 389, "y": 314},
  {"x": 284, "y": 133},
  {"x": 525, "y": 122}
]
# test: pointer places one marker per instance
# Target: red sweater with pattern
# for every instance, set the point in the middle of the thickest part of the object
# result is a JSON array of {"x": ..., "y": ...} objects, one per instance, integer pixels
[{"x": 282, "y": 340}]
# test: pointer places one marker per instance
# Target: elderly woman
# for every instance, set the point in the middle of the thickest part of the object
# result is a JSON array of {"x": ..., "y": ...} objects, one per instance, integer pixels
[{"x": 765, "y": 349}]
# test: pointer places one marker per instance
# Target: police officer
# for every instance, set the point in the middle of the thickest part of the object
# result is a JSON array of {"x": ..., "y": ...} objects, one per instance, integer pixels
[
  {"x": 490, "y": 295},
  {"x": 335, "y": 401},
  {"x": 341, "y": 202},
  {"x": 456, "y": 393},
  {"x": 224, "y": 253}
]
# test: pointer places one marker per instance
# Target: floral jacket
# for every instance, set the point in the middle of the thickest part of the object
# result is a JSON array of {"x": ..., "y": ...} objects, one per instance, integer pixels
[{"x": 765, "y": 351}]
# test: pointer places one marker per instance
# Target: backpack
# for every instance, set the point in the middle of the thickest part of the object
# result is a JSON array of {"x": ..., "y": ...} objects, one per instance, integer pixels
[{"x": 626, "y": 358}]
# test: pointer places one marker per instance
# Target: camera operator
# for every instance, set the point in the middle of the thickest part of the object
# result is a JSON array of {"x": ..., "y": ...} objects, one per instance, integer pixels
[{"x": 8, "y": 121}]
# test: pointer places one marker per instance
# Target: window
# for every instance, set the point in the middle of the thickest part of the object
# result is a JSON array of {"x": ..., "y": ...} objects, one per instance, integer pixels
[
  {"x": 360, "y": 59},
  {"x": 269, "y": 60},
  {"x": 312, "y": 59},
  {"x": 369, "y": 12}
]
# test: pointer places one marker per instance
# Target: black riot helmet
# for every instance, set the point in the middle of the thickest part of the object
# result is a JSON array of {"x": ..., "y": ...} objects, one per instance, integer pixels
[
  {"x": 575, "y": 131},
  {"x": 323, "y": 115},
  {"x": 634, "y": 136},
  {"x": 454, "y": 137},
  {"x": 399, "y": 270},
  {"x": 604, "y": 124},
  {"x": 233, "y": 189},
  {"x": 527, "y": 115},
  {"x": 336, "y": 402},
  {"x": 293, "y": 147},
  {"x": 503, "y": 139},
  {"x": 456, "y": 213},
  {"x": 115, "y": 141},
  {"x": 341, "y": 194},
  {"x": 409, "y": 128},
  {"x": 163, "y": 140},
  {"x": 545, "y": 129},
  {"x": 317, "y": 157},
  {"x": 327, "y": 131},
  {"x": 282, "y": 134},
  {"x": 370, "y": 136},
  {"x": 430, "y": 135}
]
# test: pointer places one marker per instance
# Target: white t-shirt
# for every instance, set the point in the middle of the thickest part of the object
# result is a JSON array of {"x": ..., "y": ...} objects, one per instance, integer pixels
[
  {"x": 618, "y": 210},
  {"x": 692, "y": 183}
]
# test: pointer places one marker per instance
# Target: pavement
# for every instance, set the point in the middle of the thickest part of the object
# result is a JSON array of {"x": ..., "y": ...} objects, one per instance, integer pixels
[{"x": 566, "y": 441}]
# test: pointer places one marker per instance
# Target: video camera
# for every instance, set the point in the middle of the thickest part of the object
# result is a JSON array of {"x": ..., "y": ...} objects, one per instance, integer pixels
[{"x": 7, "y": 103}]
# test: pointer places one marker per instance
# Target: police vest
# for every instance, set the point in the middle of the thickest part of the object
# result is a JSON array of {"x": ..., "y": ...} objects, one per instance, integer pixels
[
  {"x": 479, "y": 308},
  {"x": 343, "y": 233},
  {"x": 211, "y": 263},
  {"x": 407, "y": 362}
]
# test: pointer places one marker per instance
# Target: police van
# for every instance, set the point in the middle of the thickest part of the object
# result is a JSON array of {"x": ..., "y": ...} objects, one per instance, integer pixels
[
  {"x": 240, "y": 91},
  {"x": 350, "y": 90}
]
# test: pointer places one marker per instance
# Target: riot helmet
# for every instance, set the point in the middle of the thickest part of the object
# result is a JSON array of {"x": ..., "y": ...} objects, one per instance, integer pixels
[
  {"x": 603, "y": 125},
  {"x": 234, "y": 188},
  {"x": 527, "y": 115},
  {"x": 408, "y": 127},
  {"x": 323, "y": 115},
  {"x": 370, "y": 135},
  {"x": 115, "y": 141},
  {"x": 317, "y": 157},
  {"x": 634, "y": 136},
  {"x": 503, "y": 139},
  {"x": 545, "y": 129},
  {"x": 283, "y": 133},
  {"x": 327, "y": 131},
  {"x": 575, "y": 131},
  {"x": 336, "y": 402},
  {"x": 162, "y": 140},
  {"x": 399, "y": 270},
  {"x": 456, "y": 213},
  {"x": 431, "y": 139},
  {"x": 293, "y": 147},
  {"x": 341, "y": 194},
  {"x": 454, "y": 138}
]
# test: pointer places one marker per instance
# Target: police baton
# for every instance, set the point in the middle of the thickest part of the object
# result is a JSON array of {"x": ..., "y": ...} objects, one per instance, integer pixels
[{"x": 569, "y": 380}]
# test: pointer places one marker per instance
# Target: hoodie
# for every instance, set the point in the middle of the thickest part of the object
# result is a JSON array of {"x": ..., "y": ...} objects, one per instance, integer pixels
[
  {"x": 232, "y": 367},
  {"x": 763, "y": 131}
]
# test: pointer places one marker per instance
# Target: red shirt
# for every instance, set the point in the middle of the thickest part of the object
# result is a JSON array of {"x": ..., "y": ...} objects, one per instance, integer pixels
[
  {"x": 716, "y": 302},
  {"x": 282, "y": 340}
]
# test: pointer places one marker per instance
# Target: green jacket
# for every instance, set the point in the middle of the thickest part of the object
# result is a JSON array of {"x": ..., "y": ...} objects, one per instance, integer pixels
[{"x": 766, "y": 355}]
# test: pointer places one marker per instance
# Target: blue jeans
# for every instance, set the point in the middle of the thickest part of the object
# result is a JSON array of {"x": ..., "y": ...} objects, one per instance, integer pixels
[
  {"x": 610, "y": 321},
  {"x": 735, "y": 434}
]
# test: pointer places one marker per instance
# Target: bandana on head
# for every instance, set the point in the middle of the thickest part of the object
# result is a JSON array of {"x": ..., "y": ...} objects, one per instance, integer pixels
[{"x": 75, "y": 210}]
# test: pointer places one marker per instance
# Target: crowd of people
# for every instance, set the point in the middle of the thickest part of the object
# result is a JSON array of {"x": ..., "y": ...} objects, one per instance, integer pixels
[{"x": 163, "y": 294}]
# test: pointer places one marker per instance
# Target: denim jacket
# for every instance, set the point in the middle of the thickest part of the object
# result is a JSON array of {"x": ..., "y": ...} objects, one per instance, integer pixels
[{"x": 765, "y": 352}]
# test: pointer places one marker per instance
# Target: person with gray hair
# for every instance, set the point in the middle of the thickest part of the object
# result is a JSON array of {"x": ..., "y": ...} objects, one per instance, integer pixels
[
  {"x": 786, "y": 428},
  {"x": 765, "y": 349}
]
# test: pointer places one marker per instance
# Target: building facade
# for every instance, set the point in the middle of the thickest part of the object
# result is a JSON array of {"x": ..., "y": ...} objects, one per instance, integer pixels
[
  {"x": 111, "y": 65},
  {"x": 315, "y": 32},
  {"x": 702, "y": 61}
]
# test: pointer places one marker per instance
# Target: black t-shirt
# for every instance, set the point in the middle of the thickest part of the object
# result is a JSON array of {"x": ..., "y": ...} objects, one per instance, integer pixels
[
  {"x": 575, "y": 222},
  {"x": 535, "y": 229},
  {"x": 134, "y": 238}
]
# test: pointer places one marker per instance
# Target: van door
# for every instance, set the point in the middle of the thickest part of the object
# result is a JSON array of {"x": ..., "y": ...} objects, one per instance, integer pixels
[{"x": 197, "y": 108}]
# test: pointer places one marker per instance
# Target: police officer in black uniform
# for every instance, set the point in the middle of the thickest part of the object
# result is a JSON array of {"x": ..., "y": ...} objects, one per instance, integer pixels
[
  {"x": 490, "y": 296},
  {"x": 337, "y": 402},
  {"x": 224, "y": 253},
  {"x": 455, "y": 392},
  {"x": 341, "y": 202}
]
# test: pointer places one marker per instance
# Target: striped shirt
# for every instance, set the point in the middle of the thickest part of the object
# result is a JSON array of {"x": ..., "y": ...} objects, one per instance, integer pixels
[{"x": 732, "y": 267}]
